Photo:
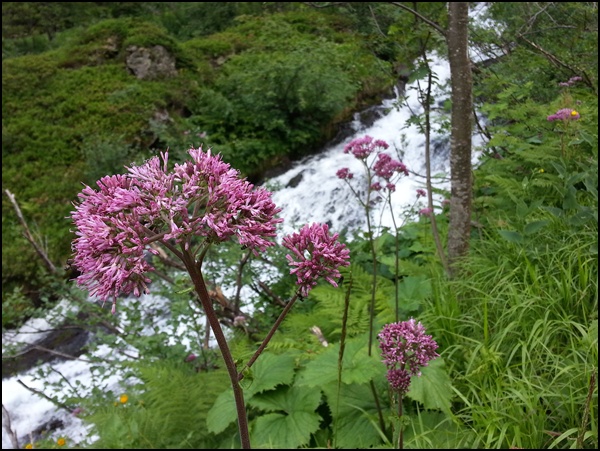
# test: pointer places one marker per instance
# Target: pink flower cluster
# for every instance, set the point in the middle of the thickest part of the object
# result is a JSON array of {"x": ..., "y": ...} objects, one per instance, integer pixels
[
  {"x": 361, "y": 148},
  {"x": 405, "y": 349},
  {"x": 384, "y": 166},
  {"x": 315, "y": 253},
  {"x": 565, "y": 114},
  {"x": 344, "y": 173},
  {"x": 203, "y": 198}
]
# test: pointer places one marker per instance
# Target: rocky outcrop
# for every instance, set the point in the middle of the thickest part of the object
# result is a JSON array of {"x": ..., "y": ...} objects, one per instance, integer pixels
[{"x": 150, "y": 63}]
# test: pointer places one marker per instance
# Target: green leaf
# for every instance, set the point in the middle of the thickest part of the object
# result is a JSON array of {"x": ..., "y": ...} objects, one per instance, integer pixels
[
  {"x": 435, "y": 430},
  {"x": 293, "y": 429},
  {"x": 288, "y": 399},
  {"x": 222, "y": 413},
  {"x": 413, "y": 290},
  {"x": 278, "y": 431},
  {"x": 355, "y": 415},
  {"x": 358, "y": 367},
  {"x": 433, "y": 388},
  {"x": 534, "y": 227},
  {"x": 271, "y": 370},
  {"x": 513, "y": 237}
]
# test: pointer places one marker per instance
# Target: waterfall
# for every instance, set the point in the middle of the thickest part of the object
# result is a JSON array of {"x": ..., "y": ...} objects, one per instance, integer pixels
[{"x": 311, "y": 192}]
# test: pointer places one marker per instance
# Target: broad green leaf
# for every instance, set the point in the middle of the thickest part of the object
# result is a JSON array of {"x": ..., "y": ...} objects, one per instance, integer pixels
[
  {"x": 414, "y": 288},
  {"x": 435, "y": 430},
  {"x": 222, "y": 413},
  {"x": 271, "y": 370},
  {"x": 288, "y": 399},
  {"x": 534, "y": 227},
  {"x": 355, "y": 416},
  {"x": 534, "y": 140},
  {"x": 433, "y": 388},
  {"x": 358, "y": 366},
  {"x": 278, "y": 431},
  {"x": 512, "y": 236},
  {"x": 293, "y": 429}
]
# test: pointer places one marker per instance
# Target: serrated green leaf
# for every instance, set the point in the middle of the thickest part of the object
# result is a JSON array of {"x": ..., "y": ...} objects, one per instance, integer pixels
[
  {"x": 271, "y": 370},
  {"x": 222, "y": 413},
  {"x": 435, "y": 430},
  {"x": 358, "y": 366},
  {"x": 288, "y": 399},
  {"x": 414, "y": 288},
  {"x": 355, "y": 415},
  {"x": 418, "y": 247},
  {"x": 433, "y": 388},
  {"x": 277, "y": 431}
]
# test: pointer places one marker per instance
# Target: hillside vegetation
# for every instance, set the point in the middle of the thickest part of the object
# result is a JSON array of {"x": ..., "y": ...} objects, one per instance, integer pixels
[{"x": 263, "y": 88}]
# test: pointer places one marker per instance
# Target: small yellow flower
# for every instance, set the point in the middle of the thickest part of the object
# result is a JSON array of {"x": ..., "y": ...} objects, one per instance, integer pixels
[
  {"x": 574, "y": 113},
  {"x": 61, "y": 441},
  {"x": 123, "y": 399},
  {"x": 29, "y": 446}
]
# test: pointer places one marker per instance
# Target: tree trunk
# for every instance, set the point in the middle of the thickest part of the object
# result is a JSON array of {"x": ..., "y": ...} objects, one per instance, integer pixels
[{"x": 462, "y": 123}]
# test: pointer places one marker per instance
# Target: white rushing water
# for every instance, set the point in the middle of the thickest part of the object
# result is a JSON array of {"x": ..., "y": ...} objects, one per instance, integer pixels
[{"x": 311, "y": 192}]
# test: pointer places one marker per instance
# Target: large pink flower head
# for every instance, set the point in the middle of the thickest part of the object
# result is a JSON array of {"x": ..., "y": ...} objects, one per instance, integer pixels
[
  {"x": 203, "y": 198},
  {"x": 315, "y": 253},
  {"x": 405, "y": 349}
]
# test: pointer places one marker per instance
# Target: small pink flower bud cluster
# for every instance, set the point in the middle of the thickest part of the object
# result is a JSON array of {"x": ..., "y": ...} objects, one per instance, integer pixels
[
  {"x": 344, "y": 174},
  {"x": 315, "y": 253},
  {"x": 571, "y": 82},
  {"x": 405, "y": 349}
]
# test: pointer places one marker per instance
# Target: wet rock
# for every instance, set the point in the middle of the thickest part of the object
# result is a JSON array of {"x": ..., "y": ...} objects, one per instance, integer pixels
[{"x": 58, "y": 344}]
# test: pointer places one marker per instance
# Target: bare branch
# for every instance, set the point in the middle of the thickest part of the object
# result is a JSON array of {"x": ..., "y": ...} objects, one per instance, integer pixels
[
  {"x": 43, "y": 395},
  {"x": 6, "y": 424},
  {"x": 29, "y": 236},
  {"x": 270, "y": 293},
  {"x": 431, "y": 23},
  {"x": 559, "y": 63},
  {"x": 238, "y": 279}
]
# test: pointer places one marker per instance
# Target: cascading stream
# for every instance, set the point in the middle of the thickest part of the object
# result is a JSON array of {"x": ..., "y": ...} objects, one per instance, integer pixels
[{"x": 311, "y": 192}]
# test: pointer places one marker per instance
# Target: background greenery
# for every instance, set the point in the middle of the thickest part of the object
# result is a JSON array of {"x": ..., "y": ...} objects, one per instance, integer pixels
[
  {"x": 517, "y": 331},
  {"x": 260, "y": 85}
]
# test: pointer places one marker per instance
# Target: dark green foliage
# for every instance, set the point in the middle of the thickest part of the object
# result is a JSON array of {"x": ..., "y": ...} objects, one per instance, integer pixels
[{"x": 260, "y": 92}]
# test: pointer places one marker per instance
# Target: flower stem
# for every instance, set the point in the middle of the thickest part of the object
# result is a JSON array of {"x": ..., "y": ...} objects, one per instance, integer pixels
[
  {"x": 265, "y": 342},
  {"x": 238, "y": 393},
  {"x": 401, "y": 430}
]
